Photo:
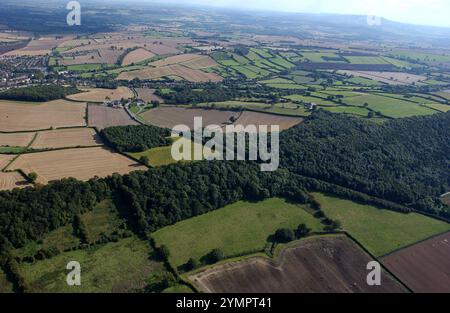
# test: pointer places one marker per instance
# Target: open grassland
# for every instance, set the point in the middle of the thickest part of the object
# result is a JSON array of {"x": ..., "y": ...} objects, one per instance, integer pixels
[
  {"x": 12, "y": 180},
  {"x": 248, "y": 118},
  {"x": 103, "y": 117},
  {"x": 116, "y": 267},
  {"x": 66, "y": 138},
  {"x": 16, "y": 139},
  {"x": 438, "y": 106},
  {"x": 83, "y": 164},
  {"x": 424, "y": 266},
  {"x": 380, "y": 231},
  {"x": 171, "y": 70},
  {"x": 243, "y": 227},
  {"x": 168, "y": 117},
  {"x": 19, "y": 116},
  {"x": 313, "y": 265},
  {"x": 137, "y": 56},
  {"x": 348, "y": 110},
  {"x": 100, "y": 95}
]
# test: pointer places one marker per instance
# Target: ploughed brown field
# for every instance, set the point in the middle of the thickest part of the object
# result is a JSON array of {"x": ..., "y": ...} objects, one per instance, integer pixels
[
  {"x": 12, "y": 180},
  {"x": 16, "y": 139},
  {"x": 66, "y": 138},
  {"x": 314, "y": 265},
  {"x": 423, "y": 267},
  {"x": 102, "y": 117},
  {"x": 100, "y": 94},
  {"x": 83, "y": 164},
  {"x": 256, "y": 118},
  {"x": 19, "y": 116},
  {"x": 168, "y": 117},
  {"x": 148, "y": 95}
]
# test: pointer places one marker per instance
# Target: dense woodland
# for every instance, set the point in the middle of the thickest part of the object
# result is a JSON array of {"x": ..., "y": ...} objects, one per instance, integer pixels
[
  {"x": 40, "y": 93},
  {"x": 405, "y": 161},
  {"x": 136, "y": 138}
]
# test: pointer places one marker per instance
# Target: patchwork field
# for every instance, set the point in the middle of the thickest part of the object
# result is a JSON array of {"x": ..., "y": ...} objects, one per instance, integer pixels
[
  {"x": 100, "y": 95},
  {"x": 391, "y": 78},
  {"x": 256, "y": 118},
  {"x": 171, "y": 70},
  {"x": 168, "y": 117},
  {"x": 180, "y": 59},
  {"x": 242, "y": 227},
  {"x": 16, "y": 139},
  {"x": 82, "y": 164},
  {"x": 115, "y": 267},
  {"x": 380, "y": 231},
  {"x": 313, "y": 265},
  {"x": 66, "y": 138},
  {"x": 36, "y": 47},
  {"x": 19, "y": 116},
  {"x": 102, "y": 117},
  {"x": 136, "y": 56},
  {"x": 12, "y": 180},
  {"x": 423, "y": 267}
]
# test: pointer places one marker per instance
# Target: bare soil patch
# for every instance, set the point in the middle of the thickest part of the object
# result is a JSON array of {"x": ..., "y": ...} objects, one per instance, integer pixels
[
  {"x": 315, "y": 265},
  {"x": 148, "y": 95},
  {"x": 16, "y": 139},
  {"x": 103, "y": 117},
  {"x": 423, "y": 267}
]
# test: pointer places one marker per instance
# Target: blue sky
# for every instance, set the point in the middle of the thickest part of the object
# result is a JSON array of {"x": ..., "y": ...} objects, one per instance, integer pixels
[{"x": 425, "y": 12}]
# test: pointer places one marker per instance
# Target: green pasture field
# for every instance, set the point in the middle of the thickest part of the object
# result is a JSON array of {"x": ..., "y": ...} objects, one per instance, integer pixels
[
  {"x": 348, "y": 110},
  {"x": 12, "y": 150},
  {"x": 307, "y": 99},
  {"x": 380, "y": 231},
  {"x": 240, "y": 228},
  {"x": 262, "y": 53},
  {"x": 115, "y": 267},
  {"x": 390, "y": 107},
  {"x": 438, "y": 106},
  {"x": 421, "y": 56},
  {"x": 316, "y": 57},
  {"x": 85, "y": 67}
]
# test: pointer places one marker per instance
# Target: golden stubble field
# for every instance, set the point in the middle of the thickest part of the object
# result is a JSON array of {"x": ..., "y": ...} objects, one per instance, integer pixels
[
  {"x": 12, "y": 180},
  {"x": 66, "y": 138},
  {"x": 16, "y": 139},
  {"x": 100, "y": 95},
  {"x": 82, "y": 164},
  {"x": 24, "y": 116}
]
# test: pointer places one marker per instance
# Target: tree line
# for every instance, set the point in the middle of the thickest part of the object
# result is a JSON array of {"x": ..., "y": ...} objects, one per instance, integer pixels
[{"x": 38, "y": 93}]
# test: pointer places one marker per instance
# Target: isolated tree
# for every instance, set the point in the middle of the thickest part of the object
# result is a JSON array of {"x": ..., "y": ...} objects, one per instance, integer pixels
[
  {"x": 164, "y": 252},
  {"x": 144, "y": 160},
  {"x": 32, "y": 177},
  {"x": 192, "y": 264},
  {"x": 302, "y": 231},
  {"x": 284, "y": 235}
]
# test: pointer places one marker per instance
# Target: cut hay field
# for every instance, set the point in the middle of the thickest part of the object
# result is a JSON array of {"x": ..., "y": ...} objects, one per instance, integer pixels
[
  {"x": 38, "y": 47},
  {"x": 327, "y": 264},
  {"x": 239, "y": 228},
  {"x": 137, "y": 56},
  {"x": 102, "y": 117},
  {"x": 66, "y": 138},
  {"x": 391, "y": 78},
  {"x": 256, "y": 118},
  {"x": 4, "y": 160},
  {"x": 23, "y": 116},
  {"x": 183, "y": 58},
  {"x": 83, "y": 164},
  {"x": 171, "y": 70},
  {"x": 380, "y": 231},
  {"x": 115, "y": 267},
  {"x": 100, "y": 95},
  {"x": 423, "y": 267},
  {"x": 168, "y": 117},
  {"x": 12, "y": 180},
  {"x": 16, "y": 139}
]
